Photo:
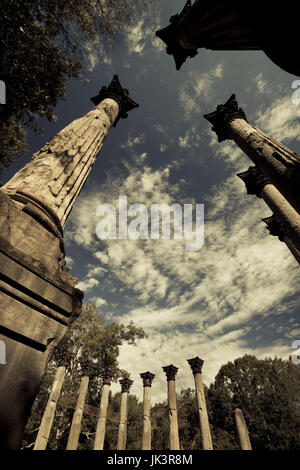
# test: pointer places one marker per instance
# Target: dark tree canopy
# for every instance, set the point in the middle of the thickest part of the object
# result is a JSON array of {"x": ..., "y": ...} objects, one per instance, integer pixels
[
  {"x": 268, "y": 392},
  {"x": 42, "y": 44}
]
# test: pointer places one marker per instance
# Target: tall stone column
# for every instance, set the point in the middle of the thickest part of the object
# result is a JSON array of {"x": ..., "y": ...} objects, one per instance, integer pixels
[
  {"x": 87, "y": 369},
  {"x": 233, "y": 25},
  {"x": 147, "y": 382},
  {"x": 56, "y": 174},
  {"x": 279, "y": 164},
  {"x": 48, "y": 416},
  {"x": 38, "y": 297},
  {"x": 171, "y": 372},
  {"x": 256, "y": 183},
  {"x": 242, "y": 430},
  {"x": 122, "y": 433},
  {"x": 101, "y": 423},
  {"x": 196, "y": 365}
]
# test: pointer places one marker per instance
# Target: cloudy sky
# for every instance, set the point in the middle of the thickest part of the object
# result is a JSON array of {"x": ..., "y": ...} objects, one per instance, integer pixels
[{"x": 238, "y": 294}]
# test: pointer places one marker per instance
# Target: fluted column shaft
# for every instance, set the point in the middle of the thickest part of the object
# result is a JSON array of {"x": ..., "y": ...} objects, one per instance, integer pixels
[
  {"x": 276, "y": 161},
  {"x": 48, "y": 416},
  {"x": 55, "y": 175},
  {"x": 146, "y": 443},
  {"x": 286, "y": 222},
  {"x": 122, "y": 432},
  {"x": 196, "y": 366},
  {"x": 101, "y": 423},
  {"x": 57, "y": 172},
  {"x": 174, "y": 436},
  {"x": 147, "y": 381},
  {"x": 242, "y": 430},
  {"x": 203, "y": 416},
  {"x": 279, "y": 164},
  {"x": 77, "y": 416},
  {"x": 171, "y": 372}
]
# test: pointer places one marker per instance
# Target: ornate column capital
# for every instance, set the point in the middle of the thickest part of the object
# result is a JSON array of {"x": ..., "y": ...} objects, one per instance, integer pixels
[
  {"x": 171, "y": 35},
  {"x": 196, "y": 365},
  {"x": 223, "y": 116},
  {"x": 107, "y": 376},
  {"x": 147, "y": 378},
  {"x": 121, "y": 95},
  {"x": 87, "y": 368},
  {"x": 170, "y": 371},
  {"x": 254, "y": 180},
  {"x": 276, "y": 227},
  {"x": 125, "y": 385}
]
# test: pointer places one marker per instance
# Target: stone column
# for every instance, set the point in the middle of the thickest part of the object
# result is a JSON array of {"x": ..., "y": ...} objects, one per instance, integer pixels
[
  {"x": 87, "y": 369},
  {"x": 147, "y": 382},
  {"x": 122, "y": 434},
  {"x": 242, "y": 430},
  {"x": 256, "y": 183},
  {"x": 279, "y": 164},
  {"x": 38, "y": 297},
  {"x": 235, "y": 26},
  {"x": 48, "y": 416},
  {"x": 55, "y": 175},
  {"x": 101, "y": 423},
  {"x": 196, "y": 365},
  {"x": 171, "y": 372}
]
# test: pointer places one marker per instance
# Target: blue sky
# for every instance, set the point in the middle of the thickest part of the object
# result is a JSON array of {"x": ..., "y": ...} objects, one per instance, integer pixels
[{"x": 238, "y": 294}]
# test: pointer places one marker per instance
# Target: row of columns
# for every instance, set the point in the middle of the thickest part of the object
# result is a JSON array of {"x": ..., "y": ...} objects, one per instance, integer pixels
[
  {"x": 274, "y": 176},
  {"x": 87, "y": 368}
]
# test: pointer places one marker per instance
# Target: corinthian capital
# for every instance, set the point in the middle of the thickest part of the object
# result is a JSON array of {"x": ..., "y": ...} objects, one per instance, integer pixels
[
  {"x": 121, "y": 95},
  {"x": 170, "y": 371},
  {"x": 254, "y": 180},
  {"x": 223, "y": 116}
]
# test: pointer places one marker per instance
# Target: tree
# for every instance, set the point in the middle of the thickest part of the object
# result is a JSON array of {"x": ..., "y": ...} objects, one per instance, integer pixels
[
  {"x": 89, "y": 338},
  {"x": 42, "y": 46},
  {"x": 268, "y": 392}
]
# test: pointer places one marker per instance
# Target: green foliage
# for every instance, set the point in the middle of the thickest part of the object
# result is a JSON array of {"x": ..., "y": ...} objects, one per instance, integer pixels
[
  {"x": 268, "y": 392},
  {"x": 89, "y": 338},
  {"x": 42, "y": 46},
  {"x": 160, "y": 426},
  {"x": 134, "y": 423}
]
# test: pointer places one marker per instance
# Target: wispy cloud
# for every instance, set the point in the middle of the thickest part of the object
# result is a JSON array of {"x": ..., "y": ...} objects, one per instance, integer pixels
[
  {"x": 195, "y": 303},
  {"x": 198, "y": 88}
]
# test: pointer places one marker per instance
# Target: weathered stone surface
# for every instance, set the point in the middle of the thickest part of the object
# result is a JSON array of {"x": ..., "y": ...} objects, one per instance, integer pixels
[
  {"x": 38, "y": 302},
  {"x": 122, "y": 431},
  {"x": 242, "y": 430},
  {"x": 101, "y": 423},
  {"x": 57, "y": 172},
  {"x": 146, "y": 441},
  {"x": 202, "y": 411},
  {"x": 78, "y": 413},
  {"x": 277, "y": 163},
  {"x": 48, "y": 416},
  {"x": 37, "y": 293}
]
